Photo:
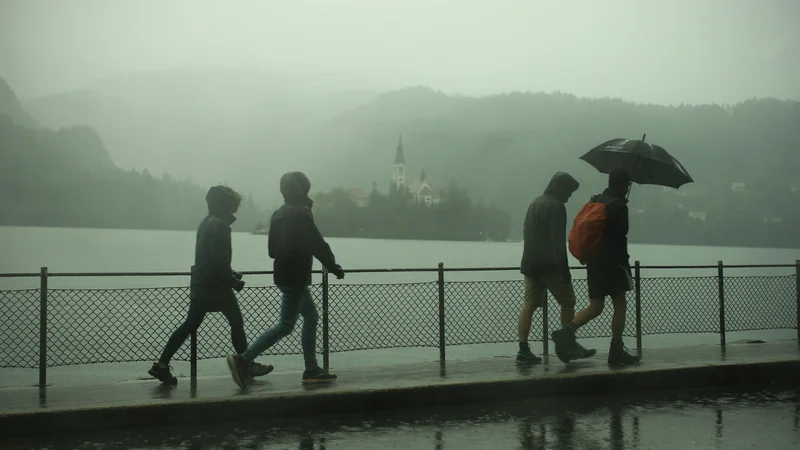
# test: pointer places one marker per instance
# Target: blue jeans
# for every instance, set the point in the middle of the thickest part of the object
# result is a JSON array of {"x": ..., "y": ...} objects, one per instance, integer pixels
[{"x": 295, "y": 302}]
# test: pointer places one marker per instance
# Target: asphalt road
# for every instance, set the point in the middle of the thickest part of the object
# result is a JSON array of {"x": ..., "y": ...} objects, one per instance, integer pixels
[{"x": 733, "y": 419}]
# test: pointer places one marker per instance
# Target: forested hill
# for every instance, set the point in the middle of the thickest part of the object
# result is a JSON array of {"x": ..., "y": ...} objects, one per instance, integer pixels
[
  {"x": 503, "y": 149},
  {"x": 67, "y": 178}
]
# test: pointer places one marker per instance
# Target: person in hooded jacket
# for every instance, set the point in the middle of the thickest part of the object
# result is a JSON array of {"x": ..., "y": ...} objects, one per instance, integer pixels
[
  {"x": 608, "y": 274},
  {"x": 294, "y": 241},
  {"x": 544, "y": 261},
  {"x": 212, "y": 283}
]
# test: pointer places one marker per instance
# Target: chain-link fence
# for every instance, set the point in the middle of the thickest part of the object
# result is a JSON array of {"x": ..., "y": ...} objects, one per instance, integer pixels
[
  {"x": 19, "y": 328},
  {"x": 116, "y": 325}
]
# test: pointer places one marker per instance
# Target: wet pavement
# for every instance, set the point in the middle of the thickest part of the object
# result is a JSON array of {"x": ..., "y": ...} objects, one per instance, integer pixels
[
  {"x": 148, "y": 392},
  {"x": 730, "y": 419},
  {"x": 211, "y": 410}
]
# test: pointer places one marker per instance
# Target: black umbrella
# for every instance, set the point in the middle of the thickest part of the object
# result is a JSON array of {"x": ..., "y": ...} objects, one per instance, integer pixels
[{"x": 645, "y": 163}]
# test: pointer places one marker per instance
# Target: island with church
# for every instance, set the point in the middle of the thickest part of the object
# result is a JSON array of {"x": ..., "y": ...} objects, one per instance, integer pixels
[{"x": 414, "y": 210}]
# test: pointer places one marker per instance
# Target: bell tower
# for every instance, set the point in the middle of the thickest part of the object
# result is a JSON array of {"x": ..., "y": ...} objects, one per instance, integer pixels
[{"x": 399, "y": 167}]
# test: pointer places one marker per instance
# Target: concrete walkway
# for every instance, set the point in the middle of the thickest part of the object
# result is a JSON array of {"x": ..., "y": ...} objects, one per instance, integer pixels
[{"x": 144, "y": 403}]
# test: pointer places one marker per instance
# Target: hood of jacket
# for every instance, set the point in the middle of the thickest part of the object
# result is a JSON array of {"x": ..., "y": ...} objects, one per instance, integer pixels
[
  {"x": 294, "y": 188},
  {"x": 222, "y": 201},
  {"x": 562, "y": 186}
]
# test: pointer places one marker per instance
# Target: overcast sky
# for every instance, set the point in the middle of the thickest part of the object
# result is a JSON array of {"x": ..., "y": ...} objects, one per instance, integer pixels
[{"x": 674, "y": 51}]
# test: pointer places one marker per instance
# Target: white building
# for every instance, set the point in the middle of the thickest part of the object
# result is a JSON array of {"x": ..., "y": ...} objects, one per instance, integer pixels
[
  {"x": 420, "y": 190},
  {"x": 359, "y": 197}
]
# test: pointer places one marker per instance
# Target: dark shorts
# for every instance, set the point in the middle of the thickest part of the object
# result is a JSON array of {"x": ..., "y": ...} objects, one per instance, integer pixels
[
  {"x": 536, "y": 290},
  {"x": 607, "y": 280}
]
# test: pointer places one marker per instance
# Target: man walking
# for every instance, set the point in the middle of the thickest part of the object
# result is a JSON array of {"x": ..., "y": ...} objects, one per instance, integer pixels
[
  {"x": 608, "y": 274},
  {"x": 212, "y": 283},
  {"x": 544, "y": 261},
  {"x": 294, "y": 242}
]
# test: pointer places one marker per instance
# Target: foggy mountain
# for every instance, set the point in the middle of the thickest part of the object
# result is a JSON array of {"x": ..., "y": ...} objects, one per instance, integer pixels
[
  {"x": 66, "y": 177},
  {"x": 11, "y": 107},
  {"x": 211, "y": 125},
  {"x": 503, "y": 149},
  {"x": 249, "y": 127}
]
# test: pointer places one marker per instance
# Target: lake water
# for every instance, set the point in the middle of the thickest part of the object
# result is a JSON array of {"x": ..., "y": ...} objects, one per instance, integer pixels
[
  {"x": 379, "y": 310},
  {"x": 97, "y": 250}
]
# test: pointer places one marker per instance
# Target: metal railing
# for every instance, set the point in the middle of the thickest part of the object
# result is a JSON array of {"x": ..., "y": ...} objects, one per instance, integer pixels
[{"x": 85, "y": 326}]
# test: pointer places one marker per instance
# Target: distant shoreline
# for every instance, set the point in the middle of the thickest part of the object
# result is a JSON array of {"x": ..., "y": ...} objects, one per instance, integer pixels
[{"x": 251, "y": 232}]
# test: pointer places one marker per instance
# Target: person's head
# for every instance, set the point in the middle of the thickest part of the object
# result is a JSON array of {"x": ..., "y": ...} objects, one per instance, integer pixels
[
  {"x": 619, "y": 182},
  {"x": 223, "y": 200},
  {"x": 562, "y": 186},
  {"x": 295, "y": 187}
]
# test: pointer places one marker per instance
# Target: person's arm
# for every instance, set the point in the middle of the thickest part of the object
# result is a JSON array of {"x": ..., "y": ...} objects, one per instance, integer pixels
[
  {"x": 315, "y": 243},
  {"x": 220, "y": 255},
  {"x": 617, "y": 229},
  {"x": 558, "y": 240}
]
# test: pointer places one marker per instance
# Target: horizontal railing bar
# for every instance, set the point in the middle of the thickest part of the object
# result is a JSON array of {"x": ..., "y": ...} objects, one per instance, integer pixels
[
  {"x": 727, "y": 266},
  {"x": 118, "y": 274},
  {"x": 382, "y": 270}
]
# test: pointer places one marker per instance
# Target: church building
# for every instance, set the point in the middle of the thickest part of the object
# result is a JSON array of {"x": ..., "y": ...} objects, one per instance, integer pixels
[{"x": 419, "y": 190}]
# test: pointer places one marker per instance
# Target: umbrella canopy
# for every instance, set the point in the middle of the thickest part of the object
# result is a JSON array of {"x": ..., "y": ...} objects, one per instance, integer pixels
[{"x": 645, "y": 163}]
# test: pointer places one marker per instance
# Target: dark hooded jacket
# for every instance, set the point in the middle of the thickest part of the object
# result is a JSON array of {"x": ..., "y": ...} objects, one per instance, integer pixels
[
  {"x": 294, "y": 239},
  {"x": 545, "y": 229},
  {"x": 212, "y": 276},
  {"x": 613, "y": 249}
]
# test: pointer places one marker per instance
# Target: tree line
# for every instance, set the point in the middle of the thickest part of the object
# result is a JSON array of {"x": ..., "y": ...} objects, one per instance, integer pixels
[
  {"x": 397, "y": 215},
  {"x": 65, "y": 178}
]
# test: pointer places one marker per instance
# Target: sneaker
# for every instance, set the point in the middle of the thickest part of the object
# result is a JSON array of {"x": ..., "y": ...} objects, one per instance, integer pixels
[
  {"x": 564, "y": 340},
  {"x": 318, "y": 376},
  {"x": 163, "y": 373},
  {"x": 259, "y": 370},
  {"x": 527, "y": 357},
  {"x": 618, "y": 356},
  {"x": 240, "y": 369},
  {"x": 579, "y": 352}
]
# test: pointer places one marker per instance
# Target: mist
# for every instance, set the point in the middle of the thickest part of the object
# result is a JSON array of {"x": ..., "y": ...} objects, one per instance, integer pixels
[{"x": 491, "y": 98}]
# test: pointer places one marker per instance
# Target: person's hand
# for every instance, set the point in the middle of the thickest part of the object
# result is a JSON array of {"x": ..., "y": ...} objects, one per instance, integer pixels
[
  {"x": 338, "y": 271},
  {"x": 237, "y": 275},
  {"x": 238, "y": 286}
]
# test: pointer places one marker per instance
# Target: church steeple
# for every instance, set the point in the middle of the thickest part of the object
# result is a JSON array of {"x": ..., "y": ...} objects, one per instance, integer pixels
[
  {"x": 422, "y": 176},
  {"x": 399, "y": 167},
  {"x": 399, "y": 158}
]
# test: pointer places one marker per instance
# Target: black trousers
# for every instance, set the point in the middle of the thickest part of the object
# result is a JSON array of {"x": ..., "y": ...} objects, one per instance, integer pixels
[{"x": 228, "y": 305}]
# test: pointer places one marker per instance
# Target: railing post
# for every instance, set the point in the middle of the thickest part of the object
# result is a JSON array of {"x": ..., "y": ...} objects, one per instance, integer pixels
[
  {"x": 43, "y": 327},
  {"x": 193, "y": 348},
  {"x": 325, "y": 310},
  {"x": 637, "y": 274},
  {"x": 721, "y": 283},
  {"x": 441, "y": 314},
  {"x": 545, "y": 326},
  {"x": 797, "y": 288},
  {"x": 193, "y": 355}
]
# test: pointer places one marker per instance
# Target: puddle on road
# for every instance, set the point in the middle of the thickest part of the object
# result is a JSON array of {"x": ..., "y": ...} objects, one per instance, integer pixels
[{"x": 766, "y": 418}]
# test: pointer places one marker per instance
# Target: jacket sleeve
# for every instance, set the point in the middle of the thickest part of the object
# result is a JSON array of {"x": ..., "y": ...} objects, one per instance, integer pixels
[
  {"x": 314, "y": 242},
  {"x": 558, "y": 239},
  {"x": 617, "y": 231},
  {"x": 270, "y": 242},
  {"x": 220, "y": 255}
]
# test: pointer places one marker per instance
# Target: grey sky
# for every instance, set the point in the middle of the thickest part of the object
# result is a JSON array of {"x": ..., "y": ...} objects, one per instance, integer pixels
[{"x": 675, "y": 51}]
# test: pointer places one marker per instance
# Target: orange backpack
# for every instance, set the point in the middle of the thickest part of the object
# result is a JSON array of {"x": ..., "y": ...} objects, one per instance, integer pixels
[{"x": 587, "y": 231}]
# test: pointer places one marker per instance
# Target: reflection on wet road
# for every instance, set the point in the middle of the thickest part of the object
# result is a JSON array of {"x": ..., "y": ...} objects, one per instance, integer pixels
[{"x": 768, "y": 419}]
